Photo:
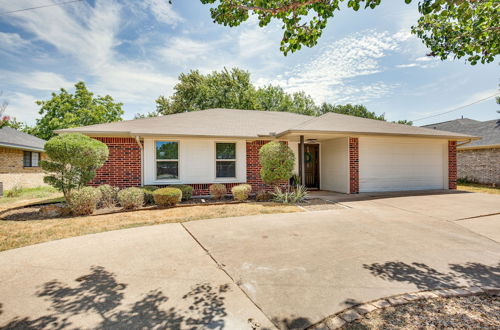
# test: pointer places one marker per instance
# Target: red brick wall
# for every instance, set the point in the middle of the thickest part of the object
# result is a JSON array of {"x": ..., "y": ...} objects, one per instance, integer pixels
[
  {"x": 123, "y": 167},
  {"x": 452, "y": 164},
  {"x": 253, "y": 165},
  {"x": 202, "y": 189},
  {"x": 353, "y": 165}
]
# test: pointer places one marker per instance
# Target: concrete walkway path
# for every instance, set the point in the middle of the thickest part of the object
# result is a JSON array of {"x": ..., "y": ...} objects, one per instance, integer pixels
[{"x": 284, "y": 270}]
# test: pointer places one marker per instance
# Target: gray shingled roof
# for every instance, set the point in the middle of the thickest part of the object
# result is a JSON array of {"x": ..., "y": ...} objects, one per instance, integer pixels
[
  {"x": 12, "y": 138},
  {"x": 252, "y": 124},
  {"x": 338, "y": 123},
  {"x": 489, "y": 130}
]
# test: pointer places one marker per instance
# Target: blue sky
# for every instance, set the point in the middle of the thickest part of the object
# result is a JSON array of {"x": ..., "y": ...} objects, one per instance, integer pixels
[{"x": 134, "y": 51}]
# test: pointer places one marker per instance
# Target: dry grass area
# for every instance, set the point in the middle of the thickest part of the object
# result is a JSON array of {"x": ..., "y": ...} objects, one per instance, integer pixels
[
  {"x": 29, "y": 196},
  {"x": 14, "y": 234},
  {"x": 473, "y": 187},
  {"x": 476, "y": 312}
]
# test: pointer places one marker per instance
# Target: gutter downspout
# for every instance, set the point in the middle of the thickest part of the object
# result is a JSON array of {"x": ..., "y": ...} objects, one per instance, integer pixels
[
  {"x": 138, "y": 140},
  {"x": 464, "y": 143}
]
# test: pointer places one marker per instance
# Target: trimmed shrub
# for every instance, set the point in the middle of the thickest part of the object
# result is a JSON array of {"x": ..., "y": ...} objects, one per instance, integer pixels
[
  {"x": 217, "y": 191},
  {"x": 84, "y": 201},
  {"x": 148, "y": 194},
  {"x": 131, "y": 198},
  {"x": 167, "y": 196},
  {"x": 241, "y": 192},
  {"x": 277, "y": 160},
  {"x": 109, "y": 195},
  {"x": 263, "y": 196},
  {"x": 187, "y": 191}
]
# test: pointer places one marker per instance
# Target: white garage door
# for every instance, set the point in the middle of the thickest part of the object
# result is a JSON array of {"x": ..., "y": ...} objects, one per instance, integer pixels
[{"x": 393, "y": 164}]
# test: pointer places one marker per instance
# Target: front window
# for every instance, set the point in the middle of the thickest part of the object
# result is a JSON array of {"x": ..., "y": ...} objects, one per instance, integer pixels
[
  {"x": 225, "y": 160},
  {"x": 31, "y": 159},
  {"x": 167, "y": 160}
]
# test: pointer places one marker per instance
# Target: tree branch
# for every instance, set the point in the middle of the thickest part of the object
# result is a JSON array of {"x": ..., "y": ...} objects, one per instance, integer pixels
[{"x": 277, "y": 10}]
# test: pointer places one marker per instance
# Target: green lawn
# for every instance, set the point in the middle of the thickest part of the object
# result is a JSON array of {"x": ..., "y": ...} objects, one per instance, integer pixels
[
  {"x": 27, "y": 194},
  {"x": 475, "y": 187}
]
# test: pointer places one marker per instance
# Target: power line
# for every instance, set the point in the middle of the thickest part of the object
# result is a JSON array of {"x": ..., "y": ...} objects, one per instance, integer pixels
[
  {"x": 45, "y": 6},
  {"x": 458, "y": 108}
]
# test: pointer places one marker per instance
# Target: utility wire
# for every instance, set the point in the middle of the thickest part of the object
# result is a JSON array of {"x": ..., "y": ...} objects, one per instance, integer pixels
[
  {"x": 45, "y": 6},
  {"x": 458, "y": 108}
]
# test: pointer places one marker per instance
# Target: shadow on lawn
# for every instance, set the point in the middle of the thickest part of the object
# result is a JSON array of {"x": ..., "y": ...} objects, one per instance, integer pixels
[
  {"x": 426, "y": 277},
  {"x": 99, "y": 293}
]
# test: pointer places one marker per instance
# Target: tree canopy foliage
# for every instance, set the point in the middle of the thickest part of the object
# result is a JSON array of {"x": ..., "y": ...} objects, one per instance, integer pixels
[
  {"x": 72, "y": 161},
  {"x": 233, "y": 89},
  {"x": 454, "y": 28},
  {"x": 65, "y": 110}
]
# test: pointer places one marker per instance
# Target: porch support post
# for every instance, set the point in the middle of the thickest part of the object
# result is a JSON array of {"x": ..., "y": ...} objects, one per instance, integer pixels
[{"x": 301, "y": 160}]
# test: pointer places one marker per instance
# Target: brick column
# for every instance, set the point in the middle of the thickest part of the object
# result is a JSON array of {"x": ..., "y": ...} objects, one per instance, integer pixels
[
  {"x": 123, "y": 167},
  {"x": 253, "y": 165},
  {"x": 353, "y": 165},
  {"x": 452, "y": 164}
]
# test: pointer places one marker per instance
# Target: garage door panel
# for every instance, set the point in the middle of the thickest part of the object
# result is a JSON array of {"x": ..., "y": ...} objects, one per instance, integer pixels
[{"x": 391, "y": 164}]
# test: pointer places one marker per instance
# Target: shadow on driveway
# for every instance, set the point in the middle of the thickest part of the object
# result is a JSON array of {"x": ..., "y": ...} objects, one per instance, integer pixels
[{"x": 99, "y": 292}]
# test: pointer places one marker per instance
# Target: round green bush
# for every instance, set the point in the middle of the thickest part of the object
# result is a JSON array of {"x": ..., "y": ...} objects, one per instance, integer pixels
[
  {"x": 187, "y": 191},
  {"x": 241, "y": 192},
  {"x": 217, "y": 191},
  {"x": 167, "y": 196},
  {"x": 131, "y": 198},
  {"x": 84, "y": 201},
  {"x": 148, "y": 194},
  {"x": 109, "y": 195}
]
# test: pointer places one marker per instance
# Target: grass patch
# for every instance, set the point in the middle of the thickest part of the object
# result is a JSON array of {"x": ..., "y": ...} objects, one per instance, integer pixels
[
  {"x": 25, "y": 194},
  {"x": 14, "y": 234},
  {"x": 475, "y": 187}
]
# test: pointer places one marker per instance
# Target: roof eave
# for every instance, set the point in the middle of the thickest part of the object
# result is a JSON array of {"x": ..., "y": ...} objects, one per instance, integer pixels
[
  {"x": 22, "y": 147},
  {"x": 448, "y": 137}
]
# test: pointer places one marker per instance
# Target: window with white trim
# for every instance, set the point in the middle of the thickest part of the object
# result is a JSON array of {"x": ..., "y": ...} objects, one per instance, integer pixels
[
  {"x": 225, "y": 160},
  {"x": 31, "y": 159},
  {"x": 167, "y": 160}
]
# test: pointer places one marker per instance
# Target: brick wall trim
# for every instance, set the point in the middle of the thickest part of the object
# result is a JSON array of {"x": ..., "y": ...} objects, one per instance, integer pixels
[
  {"x": 353, "y": 165},
  {"x": 452, "y": 164}
]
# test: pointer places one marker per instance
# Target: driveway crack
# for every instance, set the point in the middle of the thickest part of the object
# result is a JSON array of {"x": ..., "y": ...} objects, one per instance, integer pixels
[{"x": 221, "y": 267}]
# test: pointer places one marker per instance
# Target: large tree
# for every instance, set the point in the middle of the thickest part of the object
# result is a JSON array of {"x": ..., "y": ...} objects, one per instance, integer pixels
[
  {"x": 65, "y": 110},
  {"x": 456, "y": 28},
  {"x": 233, "y": 89}
]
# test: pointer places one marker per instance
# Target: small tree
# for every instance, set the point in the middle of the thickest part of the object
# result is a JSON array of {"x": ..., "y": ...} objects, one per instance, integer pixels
[
  {"x": 73, "y": 161},
  {"x": 277, "y": 161}
]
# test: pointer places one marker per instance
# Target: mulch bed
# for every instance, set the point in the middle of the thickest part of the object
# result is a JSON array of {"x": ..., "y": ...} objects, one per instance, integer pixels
[
  {"x": 32, "y": 212},
  {"x": 474, "y": 312}
]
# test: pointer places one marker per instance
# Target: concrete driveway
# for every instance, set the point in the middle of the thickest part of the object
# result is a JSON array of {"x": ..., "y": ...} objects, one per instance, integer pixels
[{"x": 285, "y": 270}]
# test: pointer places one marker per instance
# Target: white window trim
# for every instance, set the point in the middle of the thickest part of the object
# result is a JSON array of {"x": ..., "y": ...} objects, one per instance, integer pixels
[
  {"x": 216, "y": 178},
  {"x": 167, "y": 160}
]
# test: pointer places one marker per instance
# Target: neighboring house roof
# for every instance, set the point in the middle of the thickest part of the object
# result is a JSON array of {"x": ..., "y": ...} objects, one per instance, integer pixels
[
  {"x": 489, "y": 131},
  {"x": 252, "y": 124},
  {"x": 13, "y": 138}
]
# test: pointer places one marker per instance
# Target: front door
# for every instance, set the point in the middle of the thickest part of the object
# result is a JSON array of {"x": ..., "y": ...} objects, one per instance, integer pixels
[{"x": 311, "y": 165}]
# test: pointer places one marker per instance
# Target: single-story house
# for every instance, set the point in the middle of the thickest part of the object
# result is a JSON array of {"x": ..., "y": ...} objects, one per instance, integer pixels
[
  {"x": 478, "y": 161},
  {"x": 20, "y": 154},
  {"x": 335, "y": 152}
]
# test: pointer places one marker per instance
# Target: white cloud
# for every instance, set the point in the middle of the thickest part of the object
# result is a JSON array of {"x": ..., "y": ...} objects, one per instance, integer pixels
[
  {"x": 254, "y": 42},
  {"x": 410, "y": 65},
  {"x": 39, "y": 80},
  {"x": 21, "y": 106},
  {"x": 12, "y": 42},
  {"x": 181, "y": 50},
  {"x": 163, "y": 11},
  {"x": 424, "y": 59},
  {"x": 325, "y": 77}
]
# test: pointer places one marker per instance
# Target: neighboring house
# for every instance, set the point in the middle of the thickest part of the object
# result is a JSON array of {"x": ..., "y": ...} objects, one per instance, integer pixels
[
  {"x": 340, "y": 153},
  {"x": 20, "y": 156},
  {"x": 478, "y": 161}
]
